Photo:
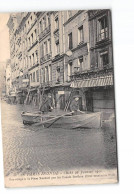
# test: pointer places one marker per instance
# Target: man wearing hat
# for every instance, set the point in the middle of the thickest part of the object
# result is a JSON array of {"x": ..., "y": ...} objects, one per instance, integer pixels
[
  {"x": 46, "y": 104},
  {"x": 74, "y": 106}
]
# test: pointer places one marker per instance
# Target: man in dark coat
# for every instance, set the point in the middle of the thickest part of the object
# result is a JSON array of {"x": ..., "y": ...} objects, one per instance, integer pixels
[
  {"x": 46, "y": 104},
  {"x": 74, "y": 106}
]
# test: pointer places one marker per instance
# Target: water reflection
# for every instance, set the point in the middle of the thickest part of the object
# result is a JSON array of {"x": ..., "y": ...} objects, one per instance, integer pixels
[{"x": 31, "y": 150}]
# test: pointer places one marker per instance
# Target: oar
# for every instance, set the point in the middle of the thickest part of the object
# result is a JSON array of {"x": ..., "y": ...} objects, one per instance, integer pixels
[
  {"x": 55, "y": 119},
  {"x": 58, "y": 119}
]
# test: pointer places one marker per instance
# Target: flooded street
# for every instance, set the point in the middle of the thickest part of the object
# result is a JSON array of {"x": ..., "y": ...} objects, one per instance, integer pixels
[{"x": 31, "y": 151}]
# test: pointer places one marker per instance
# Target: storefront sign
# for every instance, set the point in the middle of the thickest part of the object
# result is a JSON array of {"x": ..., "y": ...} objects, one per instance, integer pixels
[
  {"x": 61, "y": 92},
  {"x": 25, "y": 80}
]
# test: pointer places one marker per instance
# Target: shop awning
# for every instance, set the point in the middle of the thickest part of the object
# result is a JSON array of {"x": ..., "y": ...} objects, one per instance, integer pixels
[{"x": 93, "y": 82}]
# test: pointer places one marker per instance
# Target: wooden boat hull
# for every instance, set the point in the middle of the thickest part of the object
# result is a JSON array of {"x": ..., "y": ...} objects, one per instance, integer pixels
[
  {"x": 86, "y": 120},
  {"x": 77, "y": 121},
  {"x": 30, "y": 118}
]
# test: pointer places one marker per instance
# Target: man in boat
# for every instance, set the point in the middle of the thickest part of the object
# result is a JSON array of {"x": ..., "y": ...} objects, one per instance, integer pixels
[
  {"x": 46, "y": 104},
  {"x": 74, "y": 106}
]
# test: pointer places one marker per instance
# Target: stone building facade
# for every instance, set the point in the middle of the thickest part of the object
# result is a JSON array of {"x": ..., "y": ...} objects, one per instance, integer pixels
[
  {"x": 97, "y": 81},
  {"x": 65, "y": 53}
]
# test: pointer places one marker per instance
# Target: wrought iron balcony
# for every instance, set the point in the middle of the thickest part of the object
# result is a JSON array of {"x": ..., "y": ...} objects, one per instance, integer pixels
[
  {"x": 45, "y": 32},
  {"x": 94, "y": 70},
  {"x": 32, "y": 45},
  {"x": 45, "y": 58},
  {"x": 46, "y": 84}
]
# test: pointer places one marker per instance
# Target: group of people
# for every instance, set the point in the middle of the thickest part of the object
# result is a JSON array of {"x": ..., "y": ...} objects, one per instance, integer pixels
[{"x": 46, "y": 104}]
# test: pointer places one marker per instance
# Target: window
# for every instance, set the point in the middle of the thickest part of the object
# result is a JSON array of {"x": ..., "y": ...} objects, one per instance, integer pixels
[
  {"x": 45, "y": 48},
  {"x": 45, "y": 22},
  {"x": 46, "y": 74},
  {"x": 58, "y": 74},
  {"x": 48, "y": 19},
  {"x": 34, "y": 77},
  {"x": 27, "y": 63},
  {"x": 70, "y": 41},
  {"x": 41, "y": 51},
  {"x": 56, "y": 23},
  {"x": 104, "y": 60},
  {"x": 80, "y": 34},
  {"x": 69, "y": 14},
  {"x": 29, "y": 41},
  {"x": 24, "y": 62},
  {"x": 102, "y": 28},
  {"x": 32, "y": 38},
  {"x": 80, "y": 62},
  {"x": 41, "y": 27},
  {"x": 49, "y": 45},
  {"x": 30, "y": 61},
  {"x": 35, "y": 31},
  {"x": 36, "y": 57},
  {"x": 30, "y": 77},
  {"x": 33, "y": 58},
  {"x": 50, "y": 72},
  {"x": 42, "y": 75},
  {"x": 57, "y": 47},
  {"x": 37, "y": 75},
  {"x": 69, "y": 70}
]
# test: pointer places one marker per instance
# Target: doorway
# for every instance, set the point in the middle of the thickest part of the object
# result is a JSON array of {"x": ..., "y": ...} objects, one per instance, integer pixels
[{"x": 89, "y": 101}]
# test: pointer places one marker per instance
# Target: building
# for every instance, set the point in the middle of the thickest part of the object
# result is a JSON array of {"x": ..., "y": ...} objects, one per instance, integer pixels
[
  {"x": 77, "y": 58},
  {"x": 13, "y": 22},
  {"x": 58, "y": 56},
  {"x": 45, "y": 52},
  {"x": 32, "y": 57},
  {"x": 97, "y": 81},
  {"x": 65, "y": 53}
]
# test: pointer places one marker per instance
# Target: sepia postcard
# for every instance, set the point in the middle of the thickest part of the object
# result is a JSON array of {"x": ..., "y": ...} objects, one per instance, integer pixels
[{"x": 57, "y": 98}]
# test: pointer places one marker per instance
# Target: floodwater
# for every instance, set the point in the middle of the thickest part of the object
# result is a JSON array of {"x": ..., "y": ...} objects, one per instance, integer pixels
[{"x": 31, "y": 151}]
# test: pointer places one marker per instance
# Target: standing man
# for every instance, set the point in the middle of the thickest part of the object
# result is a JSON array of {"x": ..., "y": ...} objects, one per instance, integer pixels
[{"x": 46, "y": 104}]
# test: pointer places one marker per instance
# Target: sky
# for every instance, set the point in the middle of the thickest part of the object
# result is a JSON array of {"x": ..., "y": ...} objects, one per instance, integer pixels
[{"x": 4, "y": 38}]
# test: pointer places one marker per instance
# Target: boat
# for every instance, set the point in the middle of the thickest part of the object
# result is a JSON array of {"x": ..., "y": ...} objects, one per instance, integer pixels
[
  {"x": 30, "y": 118},
  {"x": 66, "y": 120}
]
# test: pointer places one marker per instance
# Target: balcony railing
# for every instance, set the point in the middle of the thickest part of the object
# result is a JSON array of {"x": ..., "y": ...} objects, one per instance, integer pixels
[
  {"x": 32, "y": 45},
  {"x": 45, "y": 32},
  {"x": 45, "y": 58},
  {"x": 94, "y": 70},
  {"x": 46, "y": 84}
]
